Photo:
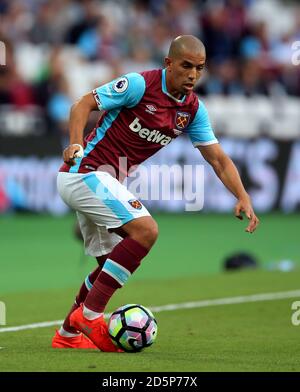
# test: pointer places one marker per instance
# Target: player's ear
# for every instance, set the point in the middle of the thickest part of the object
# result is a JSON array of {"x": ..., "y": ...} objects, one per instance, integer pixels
[{"x": 168, "y": 62}]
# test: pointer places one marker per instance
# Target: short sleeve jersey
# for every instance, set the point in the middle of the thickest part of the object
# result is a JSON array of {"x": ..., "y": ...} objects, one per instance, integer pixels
[{"x": 140, "y": 117}]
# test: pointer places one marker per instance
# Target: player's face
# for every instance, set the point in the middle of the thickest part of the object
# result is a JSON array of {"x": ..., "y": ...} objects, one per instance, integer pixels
[{"x": 183, "y": 73}]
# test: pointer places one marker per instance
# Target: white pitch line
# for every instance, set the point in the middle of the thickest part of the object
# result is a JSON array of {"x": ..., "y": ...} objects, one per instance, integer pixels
[
  {"x": 184, "y": 305},
  {"x": 31, "y": 326},
  {"x": 228, "y": 301}
]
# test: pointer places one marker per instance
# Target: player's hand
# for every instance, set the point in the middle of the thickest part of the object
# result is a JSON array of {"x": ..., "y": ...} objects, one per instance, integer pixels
[
  {"x": 244, "y": 205},
  {"x": 71, "y": 152}
]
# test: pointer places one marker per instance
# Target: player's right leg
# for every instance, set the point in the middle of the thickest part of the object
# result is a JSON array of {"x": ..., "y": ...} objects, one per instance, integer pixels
[
  {"x": 98, "y": 243},
  {"x": 67, "y": 336}
]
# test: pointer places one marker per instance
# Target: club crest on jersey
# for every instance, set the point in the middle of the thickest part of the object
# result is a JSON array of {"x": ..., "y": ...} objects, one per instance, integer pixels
[
  {"x": 182, "y": 120},
  {"x": 135, "y": 204},
  {"x": 120, "y": 85}
]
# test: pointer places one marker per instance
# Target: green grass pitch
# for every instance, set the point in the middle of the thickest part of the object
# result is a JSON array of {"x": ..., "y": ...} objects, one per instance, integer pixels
[{"x": 42, "y": 265}]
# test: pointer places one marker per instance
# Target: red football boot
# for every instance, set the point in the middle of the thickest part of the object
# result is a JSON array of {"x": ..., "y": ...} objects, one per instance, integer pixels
[
  {"x": 80, "y": 341},
  {"x": 96, "y": 330}
]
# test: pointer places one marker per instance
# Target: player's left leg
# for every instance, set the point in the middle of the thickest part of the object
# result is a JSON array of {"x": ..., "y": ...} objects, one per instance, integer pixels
[
  {"x": 122, "y": 262},
  {"x": 106, "y": 203}
]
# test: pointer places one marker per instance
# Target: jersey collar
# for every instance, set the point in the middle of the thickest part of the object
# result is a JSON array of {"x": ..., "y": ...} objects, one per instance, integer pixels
[{"x": 164, "y": 88}]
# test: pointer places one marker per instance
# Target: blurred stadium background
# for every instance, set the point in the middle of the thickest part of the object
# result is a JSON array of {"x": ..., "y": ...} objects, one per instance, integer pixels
[{"x": 52, "y": 52}]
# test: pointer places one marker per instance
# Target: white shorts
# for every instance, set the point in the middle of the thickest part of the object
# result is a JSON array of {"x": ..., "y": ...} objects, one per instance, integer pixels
[{"x": 101, "y": 203}]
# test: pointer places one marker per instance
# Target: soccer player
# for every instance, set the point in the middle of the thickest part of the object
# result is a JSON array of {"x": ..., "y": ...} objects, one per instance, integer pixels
[{"x": 143, "y": 113}]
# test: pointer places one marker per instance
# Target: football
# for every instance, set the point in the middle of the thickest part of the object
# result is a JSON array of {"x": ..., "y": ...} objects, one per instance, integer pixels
[{"x": 132, "y": 327}]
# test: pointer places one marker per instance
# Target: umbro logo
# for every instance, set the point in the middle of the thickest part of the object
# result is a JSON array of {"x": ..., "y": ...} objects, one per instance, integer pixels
[
  {"x": 151, "y": 109},
  {"x": 177, "y": 132}
]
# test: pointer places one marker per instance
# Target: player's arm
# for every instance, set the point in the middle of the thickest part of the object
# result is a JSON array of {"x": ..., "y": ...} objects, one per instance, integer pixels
[
  {"x": 228, "y": 174},
  {"x": 126, "y": 91},
  {"x": 79, "y": 116},
  {"x": 203, "y": 138}
]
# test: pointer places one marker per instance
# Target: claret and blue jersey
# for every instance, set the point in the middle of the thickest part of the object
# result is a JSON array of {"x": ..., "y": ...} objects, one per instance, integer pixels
[{"x": 140, "y": 117}]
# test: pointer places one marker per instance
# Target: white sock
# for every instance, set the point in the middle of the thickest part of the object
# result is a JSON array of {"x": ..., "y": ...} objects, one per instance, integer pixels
[
  {"x": 90, "y": 314},
  {"x": 67, "y": 334}
]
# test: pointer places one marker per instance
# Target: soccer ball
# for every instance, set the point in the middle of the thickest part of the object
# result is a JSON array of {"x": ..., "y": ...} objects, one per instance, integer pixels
[{"x": 132, "y": 327}]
